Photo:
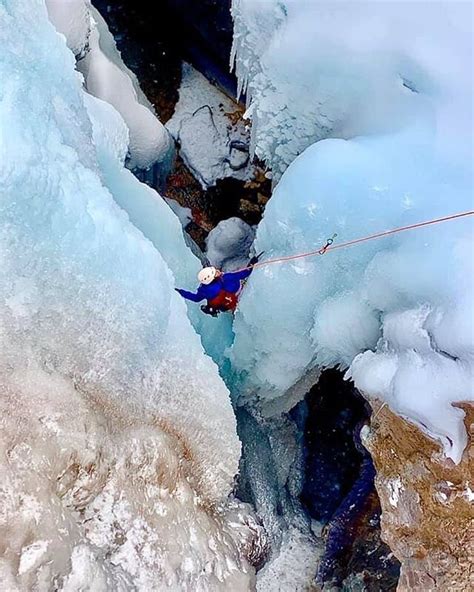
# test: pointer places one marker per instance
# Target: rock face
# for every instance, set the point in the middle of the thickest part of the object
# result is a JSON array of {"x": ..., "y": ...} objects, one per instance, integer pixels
[{"x": 427, "y": 503}]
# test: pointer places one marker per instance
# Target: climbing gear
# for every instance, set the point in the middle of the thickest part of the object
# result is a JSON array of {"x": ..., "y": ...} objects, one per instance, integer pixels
[
  {"x": 227, "y": 301},
  {"x": 255, "y": 259},
  {"x": 330, "y": 247},
  {"x": 224, "y": 301},
  {"x": 207, "y": 275},
  {"x": 327, "y": 245},
  {"x": 206, "y": 309}
]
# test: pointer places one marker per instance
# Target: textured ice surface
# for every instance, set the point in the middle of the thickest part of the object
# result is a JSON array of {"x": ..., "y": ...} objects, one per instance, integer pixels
[
  {"x": 313, "y": 70},
  {"x": 407, "y": 299},
  {"x": 392, "y": 85},
  {"x": 213, "y": 139},
  {"x": 294, "y": 567},
  {"x": 107, "y": 78},
  {"x": 95, "y": 496},
  {"x": 119, "y": 441},
  {"x": 152, "y": 216},
  {"x": 271, "y": 478},
  {"x": 377, "y": 99}
]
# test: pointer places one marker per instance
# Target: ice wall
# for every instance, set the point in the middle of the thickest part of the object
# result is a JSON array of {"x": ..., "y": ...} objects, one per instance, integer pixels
[
  {"x": 325, "y": 311},
  {"x": 147, "y": 142},
  {"x": 398, "y": 312},
  {"x": 108, "y": 78},
  {"x": 115, "y": 426},
  {"x": 313, "y": 70},
  {"x": 154, "y": 218}
]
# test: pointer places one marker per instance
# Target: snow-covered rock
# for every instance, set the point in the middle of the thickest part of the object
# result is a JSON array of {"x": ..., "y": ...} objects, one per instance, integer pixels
[
  {"x": 213, "y": 139},
  {"x": 426, "y": 502}
]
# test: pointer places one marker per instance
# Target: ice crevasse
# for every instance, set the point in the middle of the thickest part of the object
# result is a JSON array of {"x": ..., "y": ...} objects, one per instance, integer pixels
[
  {"x": 370, "y": 104},
  {"x": 115, "y": 426}
]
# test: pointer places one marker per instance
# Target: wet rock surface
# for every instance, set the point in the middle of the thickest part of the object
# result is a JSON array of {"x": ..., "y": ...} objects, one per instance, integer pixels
[
  {"x": 228, "y": 198},
  {"x": 339, "y": 489}
]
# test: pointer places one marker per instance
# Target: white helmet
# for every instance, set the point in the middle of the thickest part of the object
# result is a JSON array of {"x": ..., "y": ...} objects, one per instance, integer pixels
[{"x": 207, "y": 275}]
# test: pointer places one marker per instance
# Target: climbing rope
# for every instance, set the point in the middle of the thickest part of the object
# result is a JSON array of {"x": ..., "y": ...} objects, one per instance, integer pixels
[{"x": 328, "y": 246}]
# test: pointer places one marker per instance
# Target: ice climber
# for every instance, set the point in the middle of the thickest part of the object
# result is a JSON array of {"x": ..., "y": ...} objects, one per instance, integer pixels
[{"x": 220, "y": 289}]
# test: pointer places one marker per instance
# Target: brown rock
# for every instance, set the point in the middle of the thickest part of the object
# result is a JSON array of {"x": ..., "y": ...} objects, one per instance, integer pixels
[
  {"x": 427, "y": 503},
  {"x": 247, "y": 205}
]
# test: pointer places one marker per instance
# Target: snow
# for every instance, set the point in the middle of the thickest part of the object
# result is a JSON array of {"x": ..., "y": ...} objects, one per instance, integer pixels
[
  {"x": 205, "y": 117},
  {"x": 229, "y": 244},
  {"x": 107, "y": 78},
  {"x": 314, "y": 70},
  {"x": 394, "y": 487},
  {"x": 73, "y": 20},
  {"x": 118, "y": 440},
  {"x": 469, "y": 493},
  {"x": 31, "y": 555}
]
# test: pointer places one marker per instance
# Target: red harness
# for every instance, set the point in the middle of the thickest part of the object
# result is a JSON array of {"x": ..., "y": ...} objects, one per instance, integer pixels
[{"x": 224, "y": 301}]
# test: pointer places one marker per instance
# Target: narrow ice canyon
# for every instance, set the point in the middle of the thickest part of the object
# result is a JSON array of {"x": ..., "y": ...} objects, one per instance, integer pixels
[{"x": 320, "y": 438}]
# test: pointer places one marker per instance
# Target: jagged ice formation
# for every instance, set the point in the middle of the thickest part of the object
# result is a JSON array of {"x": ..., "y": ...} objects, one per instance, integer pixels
[
  {"x": 108, "y": 78},
  {"x": 119, "y": 443},
  {"x": 398, "y": 312}
]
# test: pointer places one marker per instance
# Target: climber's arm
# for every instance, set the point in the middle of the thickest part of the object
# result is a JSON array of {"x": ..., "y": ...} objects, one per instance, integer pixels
[
  {"x": 194, "y": 297},
  {"x": 238, "y": 275}
]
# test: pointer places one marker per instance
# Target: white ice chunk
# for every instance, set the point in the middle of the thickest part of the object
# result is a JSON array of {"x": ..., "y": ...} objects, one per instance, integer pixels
[
  {"x": 72, "y": 19},
  {"x": 229, "y": 244}
]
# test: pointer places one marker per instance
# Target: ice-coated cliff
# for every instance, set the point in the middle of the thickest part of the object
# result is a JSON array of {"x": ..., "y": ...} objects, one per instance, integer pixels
[
  {"x": 118, "y": 440},
  {"x": 397, "y": 312}
]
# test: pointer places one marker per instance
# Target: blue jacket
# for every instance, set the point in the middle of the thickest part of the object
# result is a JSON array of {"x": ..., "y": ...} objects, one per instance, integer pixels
[{"x": 230, "y": 282}]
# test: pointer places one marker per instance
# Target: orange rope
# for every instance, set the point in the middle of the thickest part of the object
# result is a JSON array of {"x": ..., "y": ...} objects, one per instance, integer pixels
[{"x": 328, "y": 247}]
